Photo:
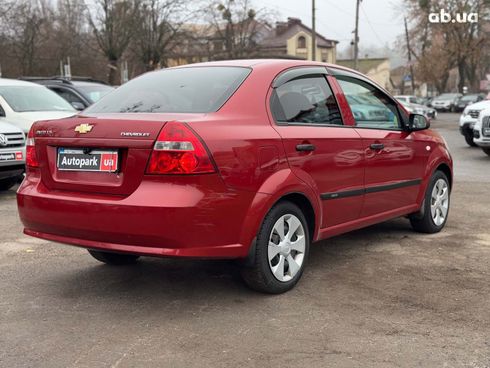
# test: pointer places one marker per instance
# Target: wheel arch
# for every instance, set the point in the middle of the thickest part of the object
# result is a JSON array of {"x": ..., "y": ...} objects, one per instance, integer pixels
[
  {"x": 304, "y": 204},
  {"x": 444, "y": 167},
  {"x": 287, "y": 187}
]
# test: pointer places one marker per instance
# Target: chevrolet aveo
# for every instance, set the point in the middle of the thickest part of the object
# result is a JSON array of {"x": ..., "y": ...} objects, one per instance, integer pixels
[{"x": 250, "y": 160}]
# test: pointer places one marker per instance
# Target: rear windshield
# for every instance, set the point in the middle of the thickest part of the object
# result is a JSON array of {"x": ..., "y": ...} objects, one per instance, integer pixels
[{"x": 181, "y": 90}]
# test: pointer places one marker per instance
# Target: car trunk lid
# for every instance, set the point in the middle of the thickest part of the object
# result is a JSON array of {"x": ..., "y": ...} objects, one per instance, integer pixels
[{"x": 130, "y": 136}]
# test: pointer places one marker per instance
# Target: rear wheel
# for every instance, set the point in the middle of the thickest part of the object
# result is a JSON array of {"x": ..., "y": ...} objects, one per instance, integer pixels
[
  {"x": 469, "y": 140},
  {"x": 433, "y": 216},
  {"x": 486, "y": 150},
  {"x": 281, "y": 250},
  {"x": 113, "y": 258}
]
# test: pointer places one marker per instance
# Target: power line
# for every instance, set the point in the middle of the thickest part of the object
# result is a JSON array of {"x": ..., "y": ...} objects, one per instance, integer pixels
[{"x": 372, "y": 28}]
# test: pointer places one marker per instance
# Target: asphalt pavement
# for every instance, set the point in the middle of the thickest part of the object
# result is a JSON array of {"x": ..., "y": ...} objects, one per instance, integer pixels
[{"x": 383, "y": 296}]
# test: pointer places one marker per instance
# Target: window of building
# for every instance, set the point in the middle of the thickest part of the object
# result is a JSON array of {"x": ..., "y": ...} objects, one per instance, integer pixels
[{"x": 301, "y": 42}]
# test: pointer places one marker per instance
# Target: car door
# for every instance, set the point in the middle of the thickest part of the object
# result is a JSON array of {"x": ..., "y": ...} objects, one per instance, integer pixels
[
  {"x": 395, "y": 162},
  {"x": 321, "y": 149}
]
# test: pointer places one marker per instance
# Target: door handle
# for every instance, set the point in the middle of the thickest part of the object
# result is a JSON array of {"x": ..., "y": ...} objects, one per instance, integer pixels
[
  {"x": 305, "y": 147},
  {"x": 377, "y": 146}
]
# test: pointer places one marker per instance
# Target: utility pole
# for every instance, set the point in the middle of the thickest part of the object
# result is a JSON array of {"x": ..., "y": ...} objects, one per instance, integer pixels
[
  {"x": 409, "y": 50},
  {"x": 356, "y": 37},
  {"x": 313, "y": 28}
]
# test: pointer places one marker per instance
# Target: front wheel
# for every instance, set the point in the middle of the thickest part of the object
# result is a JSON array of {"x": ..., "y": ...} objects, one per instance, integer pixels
[
  {"x": 281, "y": 250},
  {"x": 486, "y": 150},
  {"x": 113, "y": 258},
  {"x": 469, "y": 140},
  {"x": 435, "y": 210}
]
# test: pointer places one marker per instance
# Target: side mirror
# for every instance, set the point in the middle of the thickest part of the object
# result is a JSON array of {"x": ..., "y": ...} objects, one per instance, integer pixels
[
  {"x": 417, "y": 122},
  {"x": 78, "y": 105},
  {"x": 2, "y": 112}
]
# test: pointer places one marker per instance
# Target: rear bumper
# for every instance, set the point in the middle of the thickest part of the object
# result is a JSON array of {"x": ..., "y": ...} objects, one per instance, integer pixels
[
  {"x": 159, "y": 219},
  {"x": 222, "y": 251}
]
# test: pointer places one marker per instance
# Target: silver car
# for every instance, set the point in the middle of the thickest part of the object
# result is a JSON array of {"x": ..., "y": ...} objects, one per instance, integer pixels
[{"x": 12, "y": 155}]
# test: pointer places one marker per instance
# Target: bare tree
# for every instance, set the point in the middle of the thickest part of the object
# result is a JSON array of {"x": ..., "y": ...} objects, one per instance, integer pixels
[
  {"x": 237, "y": 27},
  {"x": 114, "y": 24},
  {"x": 160, "y": 23},
  {"x": 70, "y": 27},
  {"x": 25, "y": 31},
  {"x": 442, "y": 46}
]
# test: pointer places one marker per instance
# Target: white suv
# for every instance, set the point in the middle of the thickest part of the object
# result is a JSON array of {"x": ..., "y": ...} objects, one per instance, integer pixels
[
  {"x": 23, "y": 103},
  {"x": 482, "y": 131},
  {"x": 468, "y": 119},
  {"x": 12, "y": 155}
]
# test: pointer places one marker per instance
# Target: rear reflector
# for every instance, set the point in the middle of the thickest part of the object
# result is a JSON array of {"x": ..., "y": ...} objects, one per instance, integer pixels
[
  {"x": 178, "y": 150},
  {"x": 31, "y": 156}
]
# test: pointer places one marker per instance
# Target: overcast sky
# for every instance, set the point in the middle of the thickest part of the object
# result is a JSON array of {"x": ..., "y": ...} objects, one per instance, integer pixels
[{"x": 380, "y": 21}]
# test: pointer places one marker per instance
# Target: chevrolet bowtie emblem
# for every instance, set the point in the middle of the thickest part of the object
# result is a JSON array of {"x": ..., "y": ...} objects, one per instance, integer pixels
[{"x": 83, "y": 128}]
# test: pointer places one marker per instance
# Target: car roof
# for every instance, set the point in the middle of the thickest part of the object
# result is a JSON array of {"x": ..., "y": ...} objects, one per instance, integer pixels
[
  {"x": 266, "y": 63},
  {"x": 16, "y": 82},
  {"x": 87, "y": 83}
]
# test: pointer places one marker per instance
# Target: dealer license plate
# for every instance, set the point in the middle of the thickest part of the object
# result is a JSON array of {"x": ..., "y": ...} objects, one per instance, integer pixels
[
  {"x": 70, "y": 159},
  {"x": 11, "y": 156}
]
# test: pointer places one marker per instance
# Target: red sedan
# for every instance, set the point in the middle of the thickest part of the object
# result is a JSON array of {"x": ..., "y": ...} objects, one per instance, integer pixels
[{"x": 251, "y": 159}]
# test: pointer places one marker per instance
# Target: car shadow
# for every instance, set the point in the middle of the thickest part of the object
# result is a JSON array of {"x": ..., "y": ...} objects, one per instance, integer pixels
[{"x": 167, "y": 279}]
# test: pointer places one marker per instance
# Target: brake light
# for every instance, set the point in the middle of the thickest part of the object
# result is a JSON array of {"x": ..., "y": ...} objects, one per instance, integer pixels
[
  {"x": 31, "y": 156},
  {"x": 178, "y": 150}
]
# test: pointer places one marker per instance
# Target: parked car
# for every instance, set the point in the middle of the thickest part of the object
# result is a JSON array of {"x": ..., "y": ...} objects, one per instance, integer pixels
[
  {"x": 365, "y": 110},
  {"x": 22, "y": 103},
  {"x": 268, "y": 160},
  {"x": 426, "y": 101},
  {"x": 468, "y": 119},
  {"x": 408, "y": 98},
  {"x": 482, "y": 130},
  {"x": 468, "y": 100},
  {"x": 79, "y": 92},
  {"x": 12, "y": 155},
  {"x": 416, "y": 108},
  {"x": 446, "y": 102}
]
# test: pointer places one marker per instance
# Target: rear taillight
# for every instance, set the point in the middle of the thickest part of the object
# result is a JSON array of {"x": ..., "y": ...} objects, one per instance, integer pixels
[
  {"x": 31, "y": 157},
  {"x": 178, "y": 150}
]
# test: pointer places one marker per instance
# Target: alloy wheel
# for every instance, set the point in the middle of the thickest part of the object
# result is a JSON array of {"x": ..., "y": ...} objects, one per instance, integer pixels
[{"x": 439, "y": 204}]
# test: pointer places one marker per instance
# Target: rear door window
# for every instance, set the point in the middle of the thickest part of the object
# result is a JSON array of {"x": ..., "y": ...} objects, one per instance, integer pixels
[
  {"x": 179, "y": 90},
  {"x": 305, "y": 101}
]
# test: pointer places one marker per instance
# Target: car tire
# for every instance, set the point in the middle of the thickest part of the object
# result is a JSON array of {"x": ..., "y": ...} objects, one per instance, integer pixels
[
  {"x": 271, "y": 270},
  {"x": 486, "y": 150},
  {"x": 6, "y": 184},
  {"x": 116, "y": 259},
  {"x": 433, "y": 216},
  {"x": 469, "y": 140}
]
